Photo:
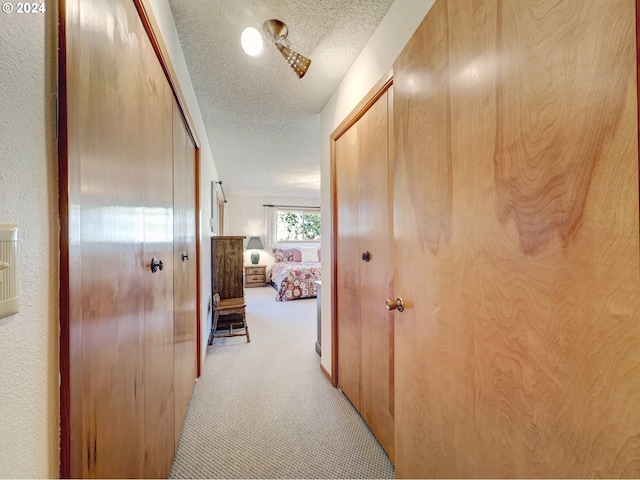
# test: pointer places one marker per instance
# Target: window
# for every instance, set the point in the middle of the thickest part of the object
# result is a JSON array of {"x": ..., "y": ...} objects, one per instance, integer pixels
[{"x": 298, "y": 225}]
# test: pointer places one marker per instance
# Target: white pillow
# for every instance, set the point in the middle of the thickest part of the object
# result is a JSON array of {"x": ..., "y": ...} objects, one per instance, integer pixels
[{"x": 309, "y": 254}]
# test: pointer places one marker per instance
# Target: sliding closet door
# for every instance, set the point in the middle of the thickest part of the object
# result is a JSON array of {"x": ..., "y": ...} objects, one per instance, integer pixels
[
  {"x": 117, "y": 214},
  {"x": 185, "y": 271},
  {"x": 516, "y": 237}
]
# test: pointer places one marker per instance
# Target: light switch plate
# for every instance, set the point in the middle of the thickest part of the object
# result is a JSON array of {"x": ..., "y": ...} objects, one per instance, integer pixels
[{"x": 9, "y": 299}]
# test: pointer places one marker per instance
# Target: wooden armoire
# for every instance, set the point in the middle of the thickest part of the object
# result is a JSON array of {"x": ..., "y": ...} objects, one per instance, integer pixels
[
  {"x": 514, "y": 223},
  {"x": 128, "y": 287},
  {"x": 227, "y": 266}
]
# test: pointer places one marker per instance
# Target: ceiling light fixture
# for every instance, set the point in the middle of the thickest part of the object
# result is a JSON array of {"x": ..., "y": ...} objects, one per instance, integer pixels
[
  {"x": 251, "y": 41},
  {"x": 277, "y": 32}
]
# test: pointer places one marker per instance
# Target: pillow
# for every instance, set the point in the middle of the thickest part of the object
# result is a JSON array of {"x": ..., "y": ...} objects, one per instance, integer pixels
[
  {"x": 309, "y": 254},
  {"x": 297, "y": 255},
  {"x": 282, "y": 255}
]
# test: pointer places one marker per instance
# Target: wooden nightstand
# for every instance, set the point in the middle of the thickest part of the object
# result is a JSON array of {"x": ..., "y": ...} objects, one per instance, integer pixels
[{"x": 255, "y": 276}]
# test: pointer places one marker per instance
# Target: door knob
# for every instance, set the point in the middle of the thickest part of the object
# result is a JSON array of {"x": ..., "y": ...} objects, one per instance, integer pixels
[
  {"x": 185, "y": 256},
  {"x": 396, "y": 304},
  {"x": 156, "y": 265},
  {"x": 366, "y": 256}
]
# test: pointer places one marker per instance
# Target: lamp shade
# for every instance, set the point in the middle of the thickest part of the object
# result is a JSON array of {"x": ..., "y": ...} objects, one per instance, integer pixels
[
  {"x": 277, "y": 32},
  {"x": 299, "y": 63},
  {"x": 254, "y": 243}
]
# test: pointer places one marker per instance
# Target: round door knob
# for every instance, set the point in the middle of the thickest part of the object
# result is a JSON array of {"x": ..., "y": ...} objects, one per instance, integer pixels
[
  {"x": 366, "y": 256},
  {"x": 396, "y": 304},
  {"x": 156, "y": 265}
]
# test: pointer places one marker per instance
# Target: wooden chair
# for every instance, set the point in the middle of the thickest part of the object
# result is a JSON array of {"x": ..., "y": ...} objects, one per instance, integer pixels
[{"x": 226, "y": 308}]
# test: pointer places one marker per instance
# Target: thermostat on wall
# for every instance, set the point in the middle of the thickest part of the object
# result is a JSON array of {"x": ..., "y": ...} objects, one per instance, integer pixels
[{"x": 8, "y": 270}]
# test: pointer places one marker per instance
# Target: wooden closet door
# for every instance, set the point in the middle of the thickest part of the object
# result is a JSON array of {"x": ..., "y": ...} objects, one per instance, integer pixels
[
  {"x": 375, "y": 280},
  {"x": 516, "y": 240},
  {"x": 365, "y": 328},
  {"x": 158, "y": 348},
  {"x": 185, "y": 268},
  {"x": 117, "y": 213},
  {"x": 348, "y": 281}
]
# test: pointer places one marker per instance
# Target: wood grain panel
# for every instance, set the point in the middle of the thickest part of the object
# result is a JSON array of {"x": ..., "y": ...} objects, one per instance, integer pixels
[
  {"x": 110, "y": 396},
  {"x": 151, "y": 26},
  {"x": 348, "y": 281},
  {"x": 363, "y": 219},
  {"x": 158, "y": 352},
  {"x": 519, "y": 351},
  {"x": 185, "y": 274},
  {"x": 227, "y": 260},
  {"x": 427, "y": 116},
  {"x": 119, "y": 214},
  {"x": 543, "y": 180},
  {"x": 376, "y": 282}
]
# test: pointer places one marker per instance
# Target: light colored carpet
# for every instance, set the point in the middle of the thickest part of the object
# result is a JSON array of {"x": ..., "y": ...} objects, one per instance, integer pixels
[{"x": 264, "y": 409}]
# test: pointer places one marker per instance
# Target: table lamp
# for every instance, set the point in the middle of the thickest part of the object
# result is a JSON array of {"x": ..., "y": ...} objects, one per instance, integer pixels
[{"x": 255, "y": 244}]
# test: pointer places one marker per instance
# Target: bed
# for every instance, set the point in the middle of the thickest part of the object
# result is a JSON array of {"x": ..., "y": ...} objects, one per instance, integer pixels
[{"x": 293, "y": 276}]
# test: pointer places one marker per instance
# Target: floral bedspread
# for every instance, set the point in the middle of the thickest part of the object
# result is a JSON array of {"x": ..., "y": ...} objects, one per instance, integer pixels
[{"x": 294, "y": 280}]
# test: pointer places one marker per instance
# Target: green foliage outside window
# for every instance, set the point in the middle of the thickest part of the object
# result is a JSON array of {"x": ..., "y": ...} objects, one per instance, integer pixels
[{"x": 298, "y": 225}]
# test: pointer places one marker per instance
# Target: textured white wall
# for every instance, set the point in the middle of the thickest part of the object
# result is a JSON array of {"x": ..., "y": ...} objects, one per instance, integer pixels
[
  {"x": 376, "y": 59},
  {"x": 245, "y": 216},
  {"x": 29, "y": 423}
]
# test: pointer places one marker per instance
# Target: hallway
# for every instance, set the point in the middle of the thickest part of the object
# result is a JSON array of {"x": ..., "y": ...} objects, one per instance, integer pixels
[{"x": 264, "y": 409}]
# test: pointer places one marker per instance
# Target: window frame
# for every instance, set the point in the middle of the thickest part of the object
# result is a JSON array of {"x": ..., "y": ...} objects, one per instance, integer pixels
[{"x": 302, "y": 210}]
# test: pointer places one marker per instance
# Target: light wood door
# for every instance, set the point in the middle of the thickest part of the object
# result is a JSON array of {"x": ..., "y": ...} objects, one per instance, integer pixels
[
  {"x": 365, "y": 329},
  {"x": 516, "y": 242},
  {"x": 185, "y": 271},
  {"x": 116, "y": 214},
  {"x": 349, "y": 317},
  {"x": 158, "y": 347},
  {"x": 375, "y": 281}
]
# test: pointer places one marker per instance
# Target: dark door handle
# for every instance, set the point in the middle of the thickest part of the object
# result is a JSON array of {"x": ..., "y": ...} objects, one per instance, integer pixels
[
  {"x": 156, "y": 265},
  {"x": 185, "y": 256},
  {"x": 366, "y": 256}
]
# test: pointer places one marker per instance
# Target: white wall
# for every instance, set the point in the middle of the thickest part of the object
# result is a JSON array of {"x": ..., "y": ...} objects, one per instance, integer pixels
[
  {"x": 161, "y": 10},
  {"x": 29, "y": 422},
  {"x": 244, "y": 215},
  {"x": 376, "y": 59}
]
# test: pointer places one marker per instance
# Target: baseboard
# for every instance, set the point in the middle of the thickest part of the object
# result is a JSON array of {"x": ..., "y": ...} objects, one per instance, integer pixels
[{"x": 326, "y": 374}]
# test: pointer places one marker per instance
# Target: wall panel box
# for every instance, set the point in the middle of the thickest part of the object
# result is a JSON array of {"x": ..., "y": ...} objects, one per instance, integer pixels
[{"x": 9, "y": 304}]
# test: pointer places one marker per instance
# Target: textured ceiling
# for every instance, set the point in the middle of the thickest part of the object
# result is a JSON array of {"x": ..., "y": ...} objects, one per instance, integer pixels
[{"x": 263, "y": 122}]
